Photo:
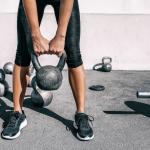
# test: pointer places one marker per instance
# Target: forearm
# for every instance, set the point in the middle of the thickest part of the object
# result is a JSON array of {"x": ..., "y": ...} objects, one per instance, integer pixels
[
  {"x": 64, "y": 16},
  {"x": 32, "y": 16}
]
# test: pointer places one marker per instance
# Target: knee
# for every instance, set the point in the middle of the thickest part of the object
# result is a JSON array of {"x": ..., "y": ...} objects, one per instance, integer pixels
[
  {"x": 78, "y": 72},
  {"x": 74, "y": 60}
]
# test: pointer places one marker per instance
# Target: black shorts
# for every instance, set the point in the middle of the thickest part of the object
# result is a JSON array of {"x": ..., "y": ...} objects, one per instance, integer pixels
[{"x": 72, "y": 42}]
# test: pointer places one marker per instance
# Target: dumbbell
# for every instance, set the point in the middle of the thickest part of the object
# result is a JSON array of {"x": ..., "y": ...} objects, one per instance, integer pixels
[
  {"x": 105, "y": 66},
  {"x": 141, "y": 94},
  {"x": 40, "y": 97},
  {"x": 8, "y": 67}
]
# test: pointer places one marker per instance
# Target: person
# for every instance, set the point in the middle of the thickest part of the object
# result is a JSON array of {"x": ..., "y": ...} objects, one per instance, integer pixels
[{"x": 67, "y": 37}]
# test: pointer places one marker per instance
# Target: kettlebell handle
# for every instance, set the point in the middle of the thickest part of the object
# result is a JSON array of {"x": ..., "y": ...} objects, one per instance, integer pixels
[
  {"x": 37, "y": 65},
  {"x": 108, "y": 59},
  {"x": 62, "y": 61},
  {"x": 35, "y": 61}
]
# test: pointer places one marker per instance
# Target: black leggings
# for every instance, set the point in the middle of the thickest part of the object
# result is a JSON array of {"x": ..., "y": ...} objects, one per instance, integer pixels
[{"x": 72, "y": 42}]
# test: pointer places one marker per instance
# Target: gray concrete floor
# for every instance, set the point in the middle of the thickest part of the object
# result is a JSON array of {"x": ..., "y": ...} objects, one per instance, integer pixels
[{"x": 122, "y": 122}]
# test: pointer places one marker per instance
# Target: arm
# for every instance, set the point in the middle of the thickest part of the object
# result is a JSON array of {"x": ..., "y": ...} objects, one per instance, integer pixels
[
  {"x": 64, "y": 16},
  {"x": 40, "y": 44},
  {"x": 30, "y": 8},
  {"x": 58, "y": 42}
]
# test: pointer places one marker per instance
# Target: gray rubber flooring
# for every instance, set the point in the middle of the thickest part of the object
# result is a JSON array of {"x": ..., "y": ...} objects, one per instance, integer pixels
[{"x": 122, "y": 122}]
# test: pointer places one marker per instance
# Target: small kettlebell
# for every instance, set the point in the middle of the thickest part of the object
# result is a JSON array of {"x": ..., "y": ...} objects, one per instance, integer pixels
[
  {"x": 8, "y": 67},
  {"x": 40, "y": 98},
  {"x": 49, "y": 77}
]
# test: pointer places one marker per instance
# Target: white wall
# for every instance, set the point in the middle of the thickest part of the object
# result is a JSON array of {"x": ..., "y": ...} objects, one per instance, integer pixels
[
  {"x": 95, "y": 6},
  {"x": 123, "y": 37},
  {"x": 107, "y": 29}
]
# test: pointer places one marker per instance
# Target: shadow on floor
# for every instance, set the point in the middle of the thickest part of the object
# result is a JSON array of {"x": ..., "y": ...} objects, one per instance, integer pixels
[
  {"x": 137, "y": 107},
  {"x": 5, "y": 111},
  {"x": 28, "y": 104}
]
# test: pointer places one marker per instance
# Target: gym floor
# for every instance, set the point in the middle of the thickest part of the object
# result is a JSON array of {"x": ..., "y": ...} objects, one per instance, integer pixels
[{"x": 122, "y": 122}]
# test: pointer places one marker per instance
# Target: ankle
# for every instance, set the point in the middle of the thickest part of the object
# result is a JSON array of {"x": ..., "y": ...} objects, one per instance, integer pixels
[
  {"x": 80, "y": 111},
  {"x": 18, "y": 110}
]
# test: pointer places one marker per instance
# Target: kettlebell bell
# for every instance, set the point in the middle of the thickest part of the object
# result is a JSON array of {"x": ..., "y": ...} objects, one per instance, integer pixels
[
  {"x": 48, "y": 77},
  {"x": 40, "y": 98},
  {"x": 106, "y": 68}
]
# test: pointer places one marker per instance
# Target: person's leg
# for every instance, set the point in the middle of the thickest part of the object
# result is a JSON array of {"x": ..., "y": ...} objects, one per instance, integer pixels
[
  {"x": 76, "y": 71},
  {"x": 22, "y": 61},
  {"x": 19, "y": 86},
  {"x": 18, "y": 120},
  {"x": 77, "y": 83},
  {"x": 74, "y": 61}
]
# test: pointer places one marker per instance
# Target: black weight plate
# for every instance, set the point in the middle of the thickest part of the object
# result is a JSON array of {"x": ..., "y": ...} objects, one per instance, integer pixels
[{"x": 97, "y": 87}]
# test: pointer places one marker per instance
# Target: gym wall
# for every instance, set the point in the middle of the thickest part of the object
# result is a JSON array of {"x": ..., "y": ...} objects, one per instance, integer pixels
[{"x": 118, "y": 28}]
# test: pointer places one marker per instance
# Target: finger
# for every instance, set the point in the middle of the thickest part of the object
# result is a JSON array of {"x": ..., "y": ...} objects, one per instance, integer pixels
[
  {"x": 47, "y": 51},
  {"x": 42, "y": 51},
  {"x": 51, "y": 51},
  {"x": 57, "y": 53}
]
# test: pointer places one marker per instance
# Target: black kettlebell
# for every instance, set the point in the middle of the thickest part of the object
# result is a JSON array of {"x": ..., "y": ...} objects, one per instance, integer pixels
[
  {"x": 49, "y": 77},
  {"x": 105, "y": 66}
]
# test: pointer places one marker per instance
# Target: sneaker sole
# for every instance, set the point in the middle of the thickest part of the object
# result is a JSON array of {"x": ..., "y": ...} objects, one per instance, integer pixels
[
  {"x": 87, "y": 138},
  {"x": 23, "y": 124}
]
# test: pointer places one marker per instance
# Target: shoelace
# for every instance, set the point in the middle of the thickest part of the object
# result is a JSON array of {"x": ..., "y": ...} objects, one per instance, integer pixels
[
  {"x": 12, "y": 121},
  {"x": 91, "y": 119}
]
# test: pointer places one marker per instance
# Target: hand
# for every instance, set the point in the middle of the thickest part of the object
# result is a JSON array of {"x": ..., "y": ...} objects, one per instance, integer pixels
[
  {"x": 40, "y": 44},
  {"x": 56, "y": 45}
]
